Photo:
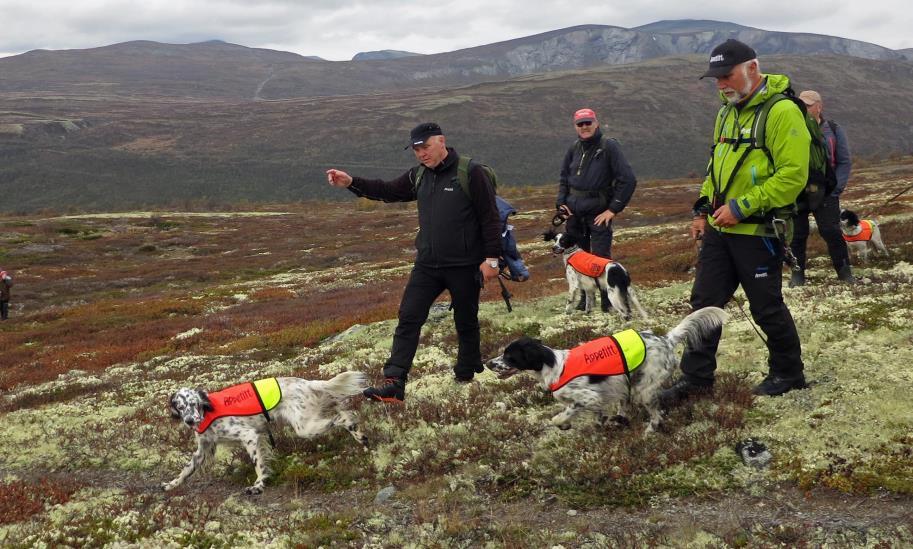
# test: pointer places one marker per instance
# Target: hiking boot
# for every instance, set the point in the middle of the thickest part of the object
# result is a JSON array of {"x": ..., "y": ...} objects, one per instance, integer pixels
[
  {"x": 393, "y": 390},
  {"x": 605, "y": 303},
  {"x": 682, "y": 389},
  {"x": 797, "y": 279},
  {"x": 464, "y": 374},
  {"x": 845, "y": 274},
  {"x": 776, "y": 385}
]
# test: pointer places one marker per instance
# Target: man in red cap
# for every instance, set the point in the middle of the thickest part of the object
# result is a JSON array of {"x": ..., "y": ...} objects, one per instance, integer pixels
[
  {"x": 458, "y": 242},
  {"x": 596, "y": 185}
]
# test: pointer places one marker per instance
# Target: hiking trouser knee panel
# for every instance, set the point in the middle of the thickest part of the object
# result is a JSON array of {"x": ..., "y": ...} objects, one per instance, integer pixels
[
  {"x": 423, "y": 287},
  {"x": 462, "y": 282}
]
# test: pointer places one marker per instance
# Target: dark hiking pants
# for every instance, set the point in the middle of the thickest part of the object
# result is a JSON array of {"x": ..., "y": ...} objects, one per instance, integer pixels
[
  {"x": 596, "y": 239},
  {"x": 727, "y": 261},
  {"x": 827, "y": 216},
  {"x": 424, "y": 286}
]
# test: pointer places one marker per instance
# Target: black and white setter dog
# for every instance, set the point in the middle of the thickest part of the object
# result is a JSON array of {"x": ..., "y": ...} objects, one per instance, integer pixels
[
  {"x": 635, "y": 381},
  {"x": 587, "y": 273},
  {"x": 242, "y": 414},
  {"x": 860, "y": 233}
]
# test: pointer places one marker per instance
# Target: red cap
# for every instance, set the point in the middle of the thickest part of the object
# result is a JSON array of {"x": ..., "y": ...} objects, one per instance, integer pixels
[{"x": 584, "y": 115}]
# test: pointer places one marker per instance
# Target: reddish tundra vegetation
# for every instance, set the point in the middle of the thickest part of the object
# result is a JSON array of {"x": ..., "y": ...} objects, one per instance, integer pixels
[{"x": 266, "y": 282}]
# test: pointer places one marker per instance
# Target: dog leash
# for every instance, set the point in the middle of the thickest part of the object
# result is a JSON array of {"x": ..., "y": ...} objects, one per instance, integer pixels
[
  {"x": 896, "y": 196},
  {"x": 748, "y": 318}
]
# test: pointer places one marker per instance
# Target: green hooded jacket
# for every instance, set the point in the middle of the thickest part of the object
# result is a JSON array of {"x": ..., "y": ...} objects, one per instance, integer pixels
[{"x": 759, "y": 187}]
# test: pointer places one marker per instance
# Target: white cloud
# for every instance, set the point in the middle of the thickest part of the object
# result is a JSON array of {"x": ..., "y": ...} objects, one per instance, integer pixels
[{"x": 339, "y": 29}]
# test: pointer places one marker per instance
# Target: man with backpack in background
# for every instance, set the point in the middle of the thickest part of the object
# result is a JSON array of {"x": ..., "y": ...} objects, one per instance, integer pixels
[
  {"x": 595, "y": 186},
  {"x": 827, "y": 212},
  {"x": 6, "y": 282},
  {"x": 742, "y": 217},
  {"x": 458, "y": 242}
]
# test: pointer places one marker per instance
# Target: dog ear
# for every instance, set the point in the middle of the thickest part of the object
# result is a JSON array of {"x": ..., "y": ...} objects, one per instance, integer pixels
[
  {"x": 204, "y": 398},
  {"x": 172, "y": 408}
]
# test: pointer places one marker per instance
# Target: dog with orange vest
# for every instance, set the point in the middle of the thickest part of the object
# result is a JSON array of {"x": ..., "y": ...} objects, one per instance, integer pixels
[
  {"x": 243, "y": 413},
  {"x": 587, "y": 273},
  {"x": 610, "y": 374},
  {"x": 860, "y": 233}
]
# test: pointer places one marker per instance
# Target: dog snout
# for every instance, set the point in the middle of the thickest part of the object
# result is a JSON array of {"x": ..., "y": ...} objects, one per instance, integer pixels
[
  {"x": 499, "y": 367},
  {"x": 557, "y": 250}
]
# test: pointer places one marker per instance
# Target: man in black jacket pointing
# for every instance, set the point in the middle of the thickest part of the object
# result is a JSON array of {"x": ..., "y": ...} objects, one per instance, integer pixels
[{"x": 459, "y": 242}]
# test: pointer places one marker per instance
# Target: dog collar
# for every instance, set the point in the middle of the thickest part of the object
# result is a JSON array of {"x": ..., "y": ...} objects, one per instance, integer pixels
[
  {"x": 614, "y": 355},
  {"x": 245, "y": 399}
]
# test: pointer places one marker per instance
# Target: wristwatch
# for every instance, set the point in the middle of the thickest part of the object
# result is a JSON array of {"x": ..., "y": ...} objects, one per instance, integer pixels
[{"x": 493, "y": 263}]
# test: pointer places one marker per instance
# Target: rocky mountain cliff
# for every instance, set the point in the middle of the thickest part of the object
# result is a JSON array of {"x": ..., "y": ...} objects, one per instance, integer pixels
[{"x": 220, "y": 70}]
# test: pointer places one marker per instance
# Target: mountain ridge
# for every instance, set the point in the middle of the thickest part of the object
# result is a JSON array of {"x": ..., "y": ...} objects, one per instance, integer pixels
[{"x": 220, "y": 70}]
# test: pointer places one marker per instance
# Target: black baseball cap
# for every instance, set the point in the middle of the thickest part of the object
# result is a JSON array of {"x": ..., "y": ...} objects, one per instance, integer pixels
[
  {"x": 422, "y": 132},
  {"x": 727, "y": 55}
]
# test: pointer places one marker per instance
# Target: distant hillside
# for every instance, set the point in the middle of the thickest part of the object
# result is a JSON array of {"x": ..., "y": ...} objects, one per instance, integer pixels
[
  {"x": 220, "y": 70},
  {"x": 123, "y": 152},
  {"x": 382, "y": 54}
]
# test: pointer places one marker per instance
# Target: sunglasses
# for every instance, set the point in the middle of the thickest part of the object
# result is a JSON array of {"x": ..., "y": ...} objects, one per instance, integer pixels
[{"x": 584, "y": 124}]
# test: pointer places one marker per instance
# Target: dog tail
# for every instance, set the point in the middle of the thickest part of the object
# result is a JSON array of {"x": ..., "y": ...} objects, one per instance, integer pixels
[
  {"x": 621, "y": 292},
  {"x": 346, "y": 384},
  {"x": 697, "y": 325}
]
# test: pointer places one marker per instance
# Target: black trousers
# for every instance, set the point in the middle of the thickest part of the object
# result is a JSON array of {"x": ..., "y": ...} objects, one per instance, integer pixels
[
  {"x": 596, "y": 239},
  {"x": 4, "y": 309},
  {"x": 727, "y": 261},
  {"x": 424, "y": 286},
  {"x": 827, "y": 216}
]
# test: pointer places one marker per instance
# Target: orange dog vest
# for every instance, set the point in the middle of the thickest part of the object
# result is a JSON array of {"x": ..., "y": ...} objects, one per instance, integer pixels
[
  {"x": 246, "y": 399},
  {"x": 588, "y": 264},
  {"x": 614, "y": 355},
  {"x": 864, "y": 235}
]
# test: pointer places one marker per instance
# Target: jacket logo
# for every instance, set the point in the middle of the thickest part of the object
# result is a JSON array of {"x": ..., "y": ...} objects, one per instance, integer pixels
[
  {"x": 716, "y": 58},
  {"x": 230, "y": 400},
  {"x": 449, "y": 189},
  {"x": 605, "y": 352}
]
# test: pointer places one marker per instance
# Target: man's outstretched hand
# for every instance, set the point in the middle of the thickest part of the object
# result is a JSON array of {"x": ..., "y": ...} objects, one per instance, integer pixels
[{"x": 338, "y": 178}]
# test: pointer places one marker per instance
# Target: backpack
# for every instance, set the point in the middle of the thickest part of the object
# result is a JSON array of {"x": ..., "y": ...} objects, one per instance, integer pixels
[
  {"x": 510, "y": 256},
  {"x": 822, "y": 179}
]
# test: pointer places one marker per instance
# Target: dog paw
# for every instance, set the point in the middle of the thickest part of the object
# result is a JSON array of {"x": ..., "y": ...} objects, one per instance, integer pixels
[
  {"x": 169, "y": 486},
  {"x": 253, "y": 490}
]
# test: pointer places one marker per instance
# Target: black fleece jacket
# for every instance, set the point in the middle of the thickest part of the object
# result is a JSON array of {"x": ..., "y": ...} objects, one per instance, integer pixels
[
  {"x": 589, "y": 168},
  {"x": 454, "y": 229}
]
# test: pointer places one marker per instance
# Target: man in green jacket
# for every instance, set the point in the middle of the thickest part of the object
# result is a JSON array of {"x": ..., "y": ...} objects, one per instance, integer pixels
[{"x": 739, "y": 221}]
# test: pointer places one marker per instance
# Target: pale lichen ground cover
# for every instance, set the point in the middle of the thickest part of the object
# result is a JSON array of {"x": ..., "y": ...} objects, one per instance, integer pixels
[{"x": 851, "y": 431}]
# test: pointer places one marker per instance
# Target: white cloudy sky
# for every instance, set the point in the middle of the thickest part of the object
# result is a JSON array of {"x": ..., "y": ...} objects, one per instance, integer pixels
[{"x": 338, "y": 29}]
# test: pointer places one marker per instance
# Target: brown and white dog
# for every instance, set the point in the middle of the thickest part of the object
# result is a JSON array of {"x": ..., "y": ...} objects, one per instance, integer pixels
[
  {"x": 587, "y": 273},
  {"x": 242, "y": 414},
  {"x": 860, "y": 233},
  {"x": 610, "y": 374}
]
